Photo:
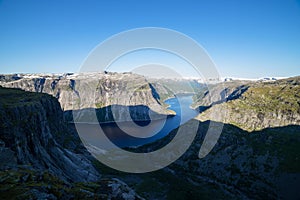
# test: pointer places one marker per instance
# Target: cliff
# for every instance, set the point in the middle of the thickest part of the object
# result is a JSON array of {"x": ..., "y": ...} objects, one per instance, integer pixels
[
  {"x": 30, "y": 124},
  {"x": 97, "y": 90},
  {"x": 255, "y": 106},
  {"x": 167, "y": 87},
  {"x": 41, "y": 159},
  {"x": 258, "y": 165}
]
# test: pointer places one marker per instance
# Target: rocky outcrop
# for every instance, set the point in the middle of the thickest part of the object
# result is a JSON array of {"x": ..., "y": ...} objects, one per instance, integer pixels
[
  {"x": 41, "y": 159},
  {"x": 168, "y": 87},
  {"x": 30, "y": 184},
  {"x": 259, "y": 105},
  {"x": 217, "y": 93},
  {"x": 249, "y": 166},
  {"x": 242, "y": 165},
  {"x": 30, "y": 124},
  {"x": 97, "y": 90}
]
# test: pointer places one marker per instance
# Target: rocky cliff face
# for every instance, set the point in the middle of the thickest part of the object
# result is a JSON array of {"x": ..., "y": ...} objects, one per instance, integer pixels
[
  {"x": 41, "y": 159},
  {"x": 30, "y": 124},
  {"x": 256, "y": 106},
  {"x": 96, "y": 90},
  {"x": 168, "y": 87},
  {"x": 242, "y": 165},
  {"x": 217, "y": 93}
]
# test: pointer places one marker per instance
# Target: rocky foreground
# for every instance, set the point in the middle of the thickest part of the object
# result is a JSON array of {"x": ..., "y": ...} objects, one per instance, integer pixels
[
  {"x": 242, "y": 165},
  {"x": 41, "y": 159}
]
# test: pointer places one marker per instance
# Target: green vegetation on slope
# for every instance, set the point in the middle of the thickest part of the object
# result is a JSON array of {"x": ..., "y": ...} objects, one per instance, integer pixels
[
  {"x": 262, "y": 105},
  {"x": 14, "y": 97},
  {"x": 270, "y": 97},
  {"x": 29, "y": 184}
]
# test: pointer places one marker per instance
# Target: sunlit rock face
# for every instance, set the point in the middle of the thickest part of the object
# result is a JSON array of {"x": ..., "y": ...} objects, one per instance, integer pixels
[
  {"x": 253, "y": 105},
  {"x": 98, "y": 91}
]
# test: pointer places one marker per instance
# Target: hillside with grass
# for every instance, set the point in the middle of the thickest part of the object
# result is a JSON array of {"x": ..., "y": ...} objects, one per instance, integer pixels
[{"x": 261, "y": 105}]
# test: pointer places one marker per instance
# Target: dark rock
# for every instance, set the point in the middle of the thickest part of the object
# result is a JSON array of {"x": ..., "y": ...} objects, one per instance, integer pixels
[{"x": 29, "y": 131}]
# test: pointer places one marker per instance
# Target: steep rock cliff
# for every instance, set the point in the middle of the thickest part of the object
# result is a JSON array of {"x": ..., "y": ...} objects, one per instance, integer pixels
[
  {"x": 98, "y": 90},
  {"x": 35, "y": 160},
  {"x": 30, "y": 124},
  {"x": 258, "y": 165},
  {"x": 217, "y": 93},
  {"x": 260, "y": 105}
]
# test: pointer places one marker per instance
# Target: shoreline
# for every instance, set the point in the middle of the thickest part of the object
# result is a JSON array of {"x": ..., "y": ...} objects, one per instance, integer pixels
[{"x": 108, "y": 122}]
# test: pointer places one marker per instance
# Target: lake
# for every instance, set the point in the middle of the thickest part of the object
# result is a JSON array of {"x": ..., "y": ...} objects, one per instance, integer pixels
[{"x": 148, "y": 131}]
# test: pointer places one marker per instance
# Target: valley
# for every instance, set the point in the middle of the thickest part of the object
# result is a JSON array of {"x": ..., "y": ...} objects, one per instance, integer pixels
[{"x": 256, "y": 157}]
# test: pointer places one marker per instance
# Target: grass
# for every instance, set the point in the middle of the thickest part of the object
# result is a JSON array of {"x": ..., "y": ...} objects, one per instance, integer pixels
[
  {"x": 13, "y": 185},
  {"x": 261, "y": 102},
  {"x": 269, "y": 98},
  {"x": 11, "y": 97}
]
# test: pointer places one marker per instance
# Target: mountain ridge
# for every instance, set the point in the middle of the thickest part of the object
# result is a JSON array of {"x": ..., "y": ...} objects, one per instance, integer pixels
[
  {"x": 254, "y": 106},
  {"x": 97, "y": 90}
]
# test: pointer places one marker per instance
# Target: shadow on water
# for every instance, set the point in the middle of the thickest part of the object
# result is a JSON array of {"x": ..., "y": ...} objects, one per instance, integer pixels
[{"x": 148, "y": 130}]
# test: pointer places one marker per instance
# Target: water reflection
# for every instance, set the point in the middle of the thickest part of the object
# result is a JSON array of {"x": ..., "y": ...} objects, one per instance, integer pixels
[{"x": 181, "y": 105}]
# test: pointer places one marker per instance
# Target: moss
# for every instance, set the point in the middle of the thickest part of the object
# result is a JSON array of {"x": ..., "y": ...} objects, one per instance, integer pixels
[
  {"x": 13, "y": 185},
  {"x": 99, "y": 105},
  {"x": 269, "y": 98}
]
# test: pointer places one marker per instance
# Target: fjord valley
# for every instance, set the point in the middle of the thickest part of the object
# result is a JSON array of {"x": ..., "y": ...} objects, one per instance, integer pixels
[
  {"x": 145, "y": 100},
  {"x": 42, "y": 157}
]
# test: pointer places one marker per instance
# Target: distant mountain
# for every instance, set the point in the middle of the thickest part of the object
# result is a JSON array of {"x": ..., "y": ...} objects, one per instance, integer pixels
[
  {"x": 176, "y": 86},
  {"x": 84, "y": 91},
  {"x": 226, "y": 79}
]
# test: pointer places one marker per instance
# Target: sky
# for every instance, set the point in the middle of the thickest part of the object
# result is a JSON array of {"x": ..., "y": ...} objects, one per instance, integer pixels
[{"x": 244, "y": 38}]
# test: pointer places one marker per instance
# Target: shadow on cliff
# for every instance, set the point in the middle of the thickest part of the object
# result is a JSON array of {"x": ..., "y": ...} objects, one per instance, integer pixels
[
  {"x": 140, "y": 114},
  {"x": 281, "y": 135},
  {"x": 117, "y": 120},
  {"x": 224, "y": 95},
  {"x": 268, "y": 160}
]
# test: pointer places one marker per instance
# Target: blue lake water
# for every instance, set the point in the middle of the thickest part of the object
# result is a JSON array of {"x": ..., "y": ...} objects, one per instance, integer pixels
[{"x": 155, "y": 129}]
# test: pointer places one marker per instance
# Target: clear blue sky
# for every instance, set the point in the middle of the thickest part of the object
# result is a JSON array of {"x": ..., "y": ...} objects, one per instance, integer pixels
[{"x": 251, "y": 38}]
